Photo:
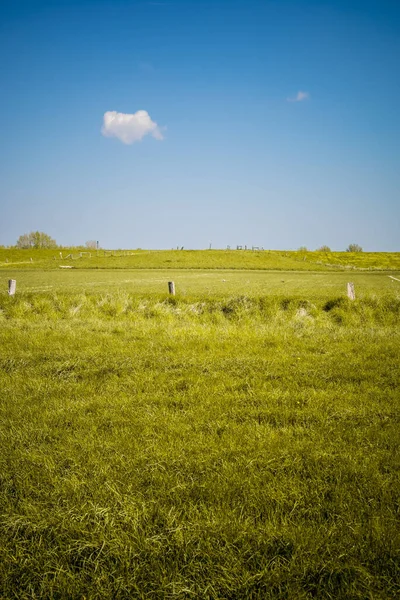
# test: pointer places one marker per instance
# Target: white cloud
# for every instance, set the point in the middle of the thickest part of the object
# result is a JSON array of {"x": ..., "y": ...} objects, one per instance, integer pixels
[
  {"x": 130, "y": 128},
  {"x": 300, "y": 97}
]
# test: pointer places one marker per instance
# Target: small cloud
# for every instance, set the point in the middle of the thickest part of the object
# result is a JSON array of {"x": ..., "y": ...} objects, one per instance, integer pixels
[
  {"x": 130, "y": 128},
  {"x": 300, "y": 97}
]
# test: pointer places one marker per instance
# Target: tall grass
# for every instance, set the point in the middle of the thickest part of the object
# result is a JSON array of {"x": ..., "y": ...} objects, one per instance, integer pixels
[
  {"x": 242, "y": 447},
  {"x": 121, "y": 305}
]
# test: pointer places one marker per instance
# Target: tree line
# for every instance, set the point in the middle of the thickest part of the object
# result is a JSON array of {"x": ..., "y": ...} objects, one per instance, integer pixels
[
  {"x": 36, "y": 239},
  {"x": 39, "y": 239},
  {"x": 350, "y": 248}
]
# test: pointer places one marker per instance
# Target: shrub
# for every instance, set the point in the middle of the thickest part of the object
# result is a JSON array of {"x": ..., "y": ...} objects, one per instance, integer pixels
[
  {"x": 354, "y": 248},
  {"x": 36, "y": 239}
]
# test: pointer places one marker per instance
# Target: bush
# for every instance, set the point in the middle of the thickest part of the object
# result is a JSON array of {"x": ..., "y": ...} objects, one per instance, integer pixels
[
  {"x": 354, "y": 248},
  {"x": 36, "y": 239}
]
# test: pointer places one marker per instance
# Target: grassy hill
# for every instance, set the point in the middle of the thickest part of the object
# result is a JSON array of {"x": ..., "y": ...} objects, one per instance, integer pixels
[{"x": 199, "y": 259}]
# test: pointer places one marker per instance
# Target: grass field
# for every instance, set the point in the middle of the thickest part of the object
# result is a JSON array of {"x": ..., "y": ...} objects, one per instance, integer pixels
[
  {"x": 199, "y": 259},
  {"x": 311, "y": 285},
  {"x": 239, "y": 440}
]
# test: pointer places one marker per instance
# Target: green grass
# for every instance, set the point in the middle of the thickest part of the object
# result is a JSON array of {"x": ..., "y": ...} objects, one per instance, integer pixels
[
  {"x": 200, "y": 259},
  {"x": 203, "y": 446},
  {"x": 309, "y": 284}
]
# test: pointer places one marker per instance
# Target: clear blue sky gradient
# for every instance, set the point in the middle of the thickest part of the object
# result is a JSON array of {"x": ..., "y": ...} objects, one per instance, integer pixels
[{"x": 239, "y": 164}]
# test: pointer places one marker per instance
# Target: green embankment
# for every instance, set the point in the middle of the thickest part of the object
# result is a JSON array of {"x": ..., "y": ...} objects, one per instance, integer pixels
[{"x": 199, "y": 259}]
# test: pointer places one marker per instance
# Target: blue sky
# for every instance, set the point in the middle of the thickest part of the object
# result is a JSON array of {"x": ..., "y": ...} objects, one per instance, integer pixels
[{"x": 279, "y": 122}]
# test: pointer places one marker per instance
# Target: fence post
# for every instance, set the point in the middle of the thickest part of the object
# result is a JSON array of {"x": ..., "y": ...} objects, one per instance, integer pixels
[
  {"x": 171, "y": 287},
  {"x": 12, "y": 286},
  {"x": 350, "y": 291}
]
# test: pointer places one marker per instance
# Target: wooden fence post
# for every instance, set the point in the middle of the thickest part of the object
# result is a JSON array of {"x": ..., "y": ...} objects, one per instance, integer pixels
[
  {"x": 12, "y": 286},
  {"x": 350, "y": 291},
  {"x": 171, "y": 287}
]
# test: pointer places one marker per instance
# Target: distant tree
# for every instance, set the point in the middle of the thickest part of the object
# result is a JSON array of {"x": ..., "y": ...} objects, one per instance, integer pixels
[
  {"x": 24, "y": 241},
  {"x": 302, "y": 249},
  {"x": 324, "y": 249},
  {"x": 92, "y": 244},
  {"x": 354, "y": 248},
  {"x": 36, "y": 239},
  {"x": 42, "y": 240}
]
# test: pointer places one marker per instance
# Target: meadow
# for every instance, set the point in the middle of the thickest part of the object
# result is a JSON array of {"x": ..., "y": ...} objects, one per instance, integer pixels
[
  {"x": 238, "y": 440},
  {"x": 80, "y": 258},
  {"x": 205, "y": 283}
]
